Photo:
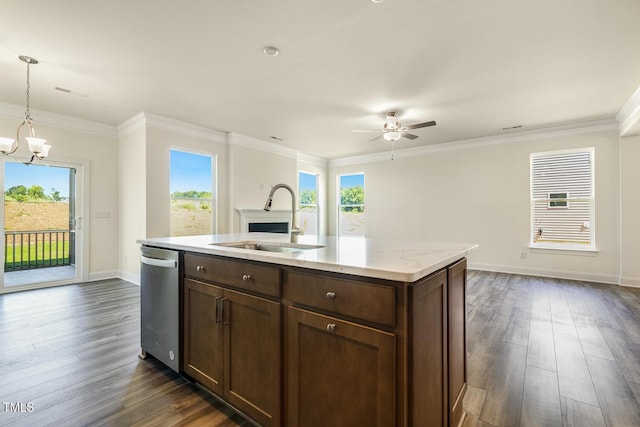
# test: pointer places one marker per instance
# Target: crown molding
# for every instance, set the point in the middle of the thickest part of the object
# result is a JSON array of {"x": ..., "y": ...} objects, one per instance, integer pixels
[
  {"x": 312, "y": 160},
  {"x": 46, "y": 118},
  {"x": 154, "y": 121},
  {"x": 629, "y": 115},
  {"x": 258, "y": 144},
  {"x": 543, "y": 133}
]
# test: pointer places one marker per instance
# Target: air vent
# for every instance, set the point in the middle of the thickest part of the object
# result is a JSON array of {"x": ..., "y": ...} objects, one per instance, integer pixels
[
  {"x": 276, "y": 138},
  {"x": 512, "y": 127},
  {"x": 70, "y": 92}
]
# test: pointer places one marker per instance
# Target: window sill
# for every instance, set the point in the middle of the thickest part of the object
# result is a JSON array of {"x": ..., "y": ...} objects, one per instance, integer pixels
[{"x": 563, "y": 249}]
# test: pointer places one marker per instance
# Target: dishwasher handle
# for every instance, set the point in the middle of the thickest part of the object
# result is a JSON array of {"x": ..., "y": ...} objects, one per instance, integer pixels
[{"x": 166, "y": 263}]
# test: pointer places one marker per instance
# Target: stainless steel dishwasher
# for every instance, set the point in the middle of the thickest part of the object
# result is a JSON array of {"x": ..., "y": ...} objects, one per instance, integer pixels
[{"x": 160, "y": 305}]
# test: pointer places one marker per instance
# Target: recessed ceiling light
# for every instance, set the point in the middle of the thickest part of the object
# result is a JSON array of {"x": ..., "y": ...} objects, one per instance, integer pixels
[
  {"x": 271, "y": 51},
  {"x": 377, "y": 1}
]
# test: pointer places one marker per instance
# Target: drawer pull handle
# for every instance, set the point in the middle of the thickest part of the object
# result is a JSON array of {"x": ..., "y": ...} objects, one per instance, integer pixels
[
  {"x": 331, "y": 295},
  {"x": 246, "y": 277},
  {"x": 199, "y": 267},
  {"x": 331, "y": 327}
]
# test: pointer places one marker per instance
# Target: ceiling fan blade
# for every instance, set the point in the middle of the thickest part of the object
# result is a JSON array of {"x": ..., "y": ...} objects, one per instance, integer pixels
[
  {"x": 375, "y": 139},
  {"x": 409, "y": 135},
  {"x": 420, "y": 125},
  {"x": 365, "y": 130}
]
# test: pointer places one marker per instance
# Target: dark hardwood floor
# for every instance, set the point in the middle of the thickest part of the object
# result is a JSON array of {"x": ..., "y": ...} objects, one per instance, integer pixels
[
  {"x": 549, "y": 352},
  {"x": 541, "y": 352}
]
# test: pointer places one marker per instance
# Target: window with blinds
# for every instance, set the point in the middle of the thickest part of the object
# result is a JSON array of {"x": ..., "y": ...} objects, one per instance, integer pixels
[{"x": 562, "y": 199}]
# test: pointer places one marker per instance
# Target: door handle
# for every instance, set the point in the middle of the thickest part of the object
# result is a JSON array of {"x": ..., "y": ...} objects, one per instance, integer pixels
[
  {"x": 225, "y": 311},
  {"x": 218, "y": 310}
]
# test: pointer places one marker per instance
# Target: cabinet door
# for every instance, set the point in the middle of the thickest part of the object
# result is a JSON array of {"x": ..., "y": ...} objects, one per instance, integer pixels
[
  {"x": 339, "y": 373},
  {"x": 428, "y": 352},
  {"x": 253, "y": 359},
  {"x": 203, "y": 350},
  {"x": 457, "y": 277}
]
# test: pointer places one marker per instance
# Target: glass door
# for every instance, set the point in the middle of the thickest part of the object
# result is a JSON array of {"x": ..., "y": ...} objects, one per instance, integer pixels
[{"x": 41, "y": 225}]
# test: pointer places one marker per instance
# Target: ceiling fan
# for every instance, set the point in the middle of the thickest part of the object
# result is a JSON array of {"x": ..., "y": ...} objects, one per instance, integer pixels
[{"x": 393, "y": 130}]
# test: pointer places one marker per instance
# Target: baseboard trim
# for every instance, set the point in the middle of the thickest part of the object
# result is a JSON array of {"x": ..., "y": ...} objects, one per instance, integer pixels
[
  {"x": 102, "y": 275},
  {"x": 541, "y": 272},
  {"x": 129, "y": 277},
  {"x": 631, "y": 282}
]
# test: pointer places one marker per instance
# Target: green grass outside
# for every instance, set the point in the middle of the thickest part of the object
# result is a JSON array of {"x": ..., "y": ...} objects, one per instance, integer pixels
[{"x": 42, "y": 254}]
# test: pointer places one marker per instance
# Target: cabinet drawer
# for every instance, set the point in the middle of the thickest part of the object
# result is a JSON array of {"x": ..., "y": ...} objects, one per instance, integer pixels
[
  {"x": 369, "y": 302},
  {"x": 251, "y": 277}
]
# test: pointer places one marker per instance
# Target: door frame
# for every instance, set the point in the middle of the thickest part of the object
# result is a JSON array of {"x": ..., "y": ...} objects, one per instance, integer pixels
[{"x": 82, "y": 218}]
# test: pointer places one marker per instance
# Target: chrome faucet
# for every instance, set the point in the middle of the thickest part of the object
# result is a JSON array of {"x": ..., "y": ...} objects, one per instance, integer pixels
[{"x": 295, "y": 230}]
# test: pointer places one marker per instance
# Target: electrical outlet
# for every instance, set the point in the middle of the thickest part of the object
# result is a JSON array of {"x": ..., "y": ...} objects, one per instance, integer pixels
[{"x": 523, "y": 255}]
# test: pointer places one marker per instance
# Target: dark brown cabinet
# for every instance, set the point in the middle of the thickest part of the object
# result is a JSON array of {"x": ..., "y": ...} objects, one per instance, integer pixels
[
  {"x": 339, "y": 373},
  {"x": 297, "y": 347},
  {"x": 233, "y": 345},
  {"x": 457, "y": 345}
]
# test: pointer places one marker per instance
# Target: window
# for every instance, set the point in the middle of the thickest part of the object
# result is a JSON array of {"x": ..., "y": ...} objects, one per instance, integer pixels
[
  {"x": 308, "y": 202},
  {"x": 351, "y": 219},
  {"x": 192, "y": 210},
  {"x": 558, "y": 200},
  {"x": 562, "y": 199}
]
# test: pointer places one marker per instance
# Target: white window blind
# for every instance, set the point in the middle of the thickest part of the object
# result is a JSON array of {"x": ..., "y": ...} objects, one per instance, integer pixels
[{"x": 562, "y": 199}]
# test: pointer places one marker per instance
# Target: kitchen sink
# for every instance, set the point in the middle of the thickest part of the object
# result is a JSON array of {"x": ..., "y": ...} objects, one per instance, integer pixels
[{"x": 268, "y": 246}]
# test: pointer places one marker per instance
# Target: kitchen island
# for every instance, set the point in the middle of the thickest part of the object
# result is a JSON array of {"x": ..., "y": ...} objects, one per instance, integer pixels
[{"x": 330, "y": 331}]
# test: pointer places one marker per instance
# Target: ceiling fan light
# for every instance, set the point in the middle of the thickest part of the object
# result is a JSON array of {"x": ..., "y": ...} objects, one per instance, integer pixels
[
  {"x": 36, "y": 144},
  {"x": 392, "y": 136},
  {"x": 6, "y": 144}
]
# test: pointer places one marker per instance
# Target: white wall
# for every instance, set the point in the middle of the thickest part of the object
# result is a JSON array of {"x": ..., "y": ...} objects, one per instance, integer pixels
[
  {"x": 252, "y": 173},
  {"x": 99, "y": 150},
  {"x": 481, "y": 195},
  {"x": 145, "y": 144},
  {"x": 132, "y": 189},
  {"x": 630, "y": 178}
]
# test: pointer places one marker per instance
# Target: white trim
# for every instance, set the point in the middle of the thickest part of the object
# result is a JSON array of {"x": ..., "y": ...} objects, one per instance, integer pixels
[
  {"x": 46, "y": 118},
  {"x": 541, "y": 272},
  {"x": 528, "y": 135},
  {"x": 125, "y": 275},
  {"x": 155, "y": 121},
  {"x": 562, "y": 249},
  {"x": 258, "y": 144},
  {"x": 103, "y": 275},
  {"x": 631, "y": 282},
  {"x": 131, "y": 125},
  {"x": 311, "y": 160},
  {"x": 629, "y": 115}
]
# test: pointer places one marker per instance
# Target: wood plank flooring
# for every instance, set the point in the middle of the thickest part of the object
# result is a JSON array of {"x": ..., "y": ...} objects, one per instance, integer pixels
[
  {"x": 550, "y": 352},
  {"x": 72, "y": 353},
  {"x": 541, "y": 352}
]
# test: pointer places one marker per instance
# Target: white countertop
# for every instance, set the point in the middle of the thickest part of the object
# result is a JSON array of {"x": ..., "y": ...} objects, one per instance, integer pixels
[{"x": 401, "y": 260}]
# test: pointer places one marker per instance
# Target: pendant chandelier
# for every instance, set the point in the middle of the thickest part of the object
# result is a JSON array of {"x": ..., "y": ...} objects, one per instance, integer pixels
[{"x": 38, "y": 146}]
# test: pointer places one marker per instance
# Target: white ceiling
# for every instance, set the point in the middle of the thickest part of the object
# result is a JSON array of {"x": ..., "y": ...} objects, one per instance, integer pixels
[{"x": 473, "y": 66}]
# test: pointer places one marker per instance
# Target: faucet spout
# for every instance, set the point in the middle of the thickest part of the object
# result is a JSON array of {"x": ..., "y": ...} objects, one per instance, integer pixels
[{"x": 295, "y": 230}]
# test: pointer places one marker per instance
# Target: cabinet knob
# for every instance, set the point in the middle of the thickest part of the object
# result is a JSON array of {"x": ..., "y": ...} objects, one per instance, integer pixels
[
  {"x": 331, "y": 327},
  {"x": 331, "y": 295},
  {"x": 246, "y": 277},
  {"x": 199, "y": 267}
]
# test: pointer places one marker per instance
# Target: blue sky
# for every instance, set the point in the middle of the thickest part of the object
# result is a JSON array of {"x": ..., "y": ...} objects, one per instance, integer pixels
[
  {"x": 307, "y": 181},
  {"x": 351, "y": 181},
  {"x": 48, "y": 177},
  {"x": 189, "y": 171}
]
